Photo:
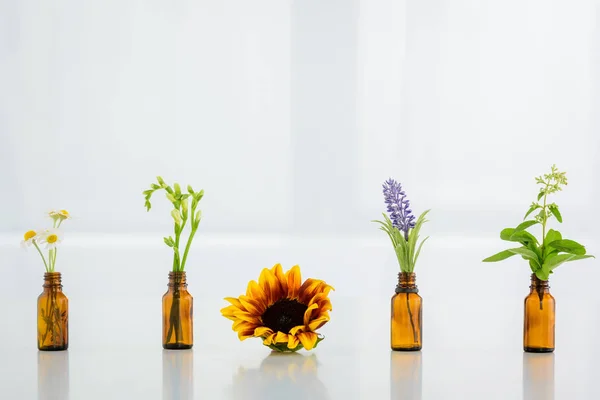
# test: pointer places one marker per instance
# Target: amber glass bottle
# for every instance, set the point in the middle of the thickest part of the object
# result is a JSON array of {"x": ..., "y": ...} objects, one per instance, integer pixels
[
  {"x": 177, "y": 309},
  {"x": 538, "y": 328},
  {"x": 406, "y": 327},
  {"x": 53, "y": 315}
]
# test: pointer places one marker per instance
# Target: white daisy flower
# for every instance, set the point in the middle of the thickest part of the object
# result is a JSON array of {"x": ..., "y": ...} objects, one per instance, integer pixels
[
  {"x": 59, "y": 215},
  {"x": 51, "y": 237},
  {"x": 29, "y": 237}
]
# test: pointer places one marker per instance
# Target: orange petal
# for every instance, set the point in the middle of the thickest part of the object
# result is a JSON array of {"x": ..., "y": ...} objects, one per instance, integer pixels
[
  {"x": 243, "y": 335},
  {"x": 251, "y": 305},
  {"x": 308, "y": 313},
  {"x": 262, "y": 331},
  {"x": 269, "y": 339},
  {"x": 317, "y": 323},
  {"x": 240, "y": 325},
  {"x": 234, "y": 301},
  {"x": 296, "y": 329},
  {"x": 248, "y": 317},
  {"x": 270, "y": 285},
  {"x": 255, "y": 291},
  {"x": 292, "y": 342},
  {"x": 308, "y": 339},
  {"x": 278, "y": 272},
  {"x": 229, "y": 310},
  {"x": 294, "y": 280},
  {"x": 312, "y": 287},
  {"x": 281, "y": 337}
]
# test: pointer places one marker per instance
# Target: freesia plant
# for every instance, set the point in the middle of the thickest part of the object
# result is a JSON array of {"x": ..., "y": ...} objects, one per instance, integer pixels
[
  {"x": 181, "y": 214},
  {"x": 551, "y": 251}
]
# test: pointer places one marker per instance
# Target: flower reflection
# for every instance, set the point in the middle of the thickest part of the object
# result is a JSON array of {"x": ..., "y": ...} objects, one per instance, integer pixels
[
  {"x": 280, "y": 376},
  {"x": 53, "y": 375},
  {"x": 538, "y": 376},
  {"x": 178, "y": 374},
  {"x": 406, "y": 371}
]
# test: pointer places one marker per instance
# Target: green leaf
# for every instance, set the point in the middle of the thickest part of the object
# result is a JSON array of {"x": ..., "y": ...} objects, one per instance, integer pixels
[
  {"x": 419, "y": 251},
  {"x": 556, "y": 213},
  {"x": 169, "y": 241},
  {"x": 534, "y": 266},
  {"x": 543, "y": 274},
  {"x": 568, "y": 246},
  {"x": 552, "y": 236},
  {"x": 190, "y": 190},
  {"x": 526, "y": 254},
  {"x": 177, "y": 189},
  {"x": 554, "y": 262},
  {"x": 503, "y": 255},
  {"x": 524, "y": 237},
  {"x": 540, "y": 195},
  {"x": 524, "y": 225},
  {"x": 506, "y": 233},
  {"x": 532, "y": 209}
]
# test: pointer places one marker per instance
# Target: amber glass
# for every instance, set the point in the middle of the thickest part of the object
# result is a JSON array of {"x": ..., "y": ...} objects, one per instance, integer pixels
[
  {"x": 177, "y": 310},
  {"x": 406, "y": 328},
  {"x": 52, "y": 315},
  {"x": 538, "y": 327}
]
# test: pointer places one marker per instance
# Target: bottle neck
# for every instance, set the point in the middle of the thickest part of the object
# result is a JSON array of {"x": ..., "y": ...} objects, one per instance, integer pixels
[
  {"x": 407, "y": 283},
  {"x": 52, "y": 281},
  {"x": 538, "y": 285},
  {"x": 177, "y": 280}
]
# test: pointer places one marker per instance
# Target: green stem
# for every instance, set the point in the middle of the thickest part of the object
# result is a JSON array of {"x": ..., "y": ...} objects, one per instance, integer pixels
[
  {"x": 42, "y": 255},
  {"x": 410, "y": 316},
  {"x": 187, "y": 248}
]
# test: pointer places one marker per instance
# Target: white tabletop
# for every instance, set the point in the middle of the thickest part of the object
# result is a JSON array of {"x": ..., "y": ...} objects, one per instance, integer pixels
[{"x": 472, "y": 315}]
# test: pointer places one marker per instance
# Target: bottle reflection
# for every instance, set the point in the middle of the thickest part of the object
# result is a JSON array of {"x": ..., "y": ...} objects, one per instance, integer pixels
[
  {"x": 538, "y": 376},
  {"x": 53, "y": 375},
  {"x": 178, "y": 374},
  {"x": 405, "y": 376},
  {"x": 287, "y": 376}
]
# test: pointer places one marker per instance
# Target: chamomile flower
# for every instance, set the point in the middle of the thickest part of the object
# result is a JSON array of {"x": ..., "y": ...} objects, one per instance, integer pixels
[
  {"x": 60, "y": 215},
  {"x": 51, "y": 237},
  {"x": 29, "y": 237}
]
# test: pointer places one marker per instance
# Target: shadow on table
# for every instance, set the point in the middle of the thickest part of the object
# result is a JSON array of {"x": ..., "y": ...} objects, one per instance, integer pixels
[
  {"x": 53, "y": 375},
  {"x": 281, "y": 376},
  {"x": 178, "y": 374},
  {"x": 406, "y": 381},
  {"x": 538, "y": 376}
]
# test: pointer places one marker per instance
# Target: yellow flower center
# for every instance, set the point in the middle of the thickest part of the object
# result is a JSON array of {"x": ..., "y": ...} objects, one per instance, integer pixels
[
  {"x": 64, "y": 212},
  {"x": 52, "y": 238},
  {"x": 29, "y": 234}
]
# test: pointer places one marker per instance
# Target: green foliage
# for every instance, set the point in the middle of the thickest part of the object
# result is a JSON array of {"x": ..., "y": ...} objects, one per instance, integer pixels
[
  {"x": 545, "y": 256},
  {"x": 407, "y": 251},
  {"x": 181, "y": 214}
]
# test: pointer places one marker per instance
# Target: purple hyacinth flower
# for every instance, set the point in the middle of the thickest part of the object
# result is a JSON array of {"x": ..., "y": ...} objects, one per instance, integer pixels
[{"x": 398, "y": 206}]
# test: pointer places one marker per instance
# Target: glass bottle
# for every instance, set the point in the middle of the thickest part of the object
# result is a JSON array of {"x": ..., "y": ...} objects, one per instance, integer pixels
[
  {"x": 406, "y": 328},
  {"x": 52, "y": 315},
  {"x": 177, "y": 310},
  {"x": 538, "y": 327}
]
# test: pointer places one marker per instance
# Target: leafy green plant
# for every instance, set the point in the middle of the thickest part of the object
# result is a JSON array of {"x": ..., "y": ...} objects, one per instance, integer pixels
[
  {"x": 547, "y": 254},
  {"x": 181, "y": 213}
]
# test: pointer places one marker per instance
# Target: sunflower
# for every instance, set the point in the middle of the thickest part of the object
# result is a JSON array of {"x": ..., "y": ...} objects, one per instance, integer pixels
[{"x": 281, "y": 310}]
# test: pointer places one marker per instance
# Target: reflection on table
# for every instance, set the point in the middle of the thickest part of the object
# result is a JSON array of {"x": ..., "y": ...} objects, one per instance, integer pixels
[
  {"x": 406, "y": 375},
  {"x": 53, "y": 375},
  {"x": 281, "y": 376},
  {"x": 538, "y": 376},
  {"x": 178, "y": 374}
]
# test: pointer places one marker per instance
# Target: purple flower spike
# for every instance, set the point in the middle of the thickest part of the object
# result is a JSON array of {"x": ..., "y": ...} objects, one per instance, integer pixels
[{"x": 398, "y": 206}]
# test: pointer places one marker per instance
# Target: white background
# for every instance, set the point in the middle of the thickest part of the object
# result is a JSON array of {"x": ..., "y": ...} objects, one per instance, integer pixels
[{"x": 290, "y": 114}]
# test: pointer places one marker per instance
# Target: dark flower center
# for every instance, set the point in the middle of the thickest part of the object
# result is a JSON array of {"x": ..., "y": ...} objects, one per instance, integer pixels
[{"x": 284, "y": 315}]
